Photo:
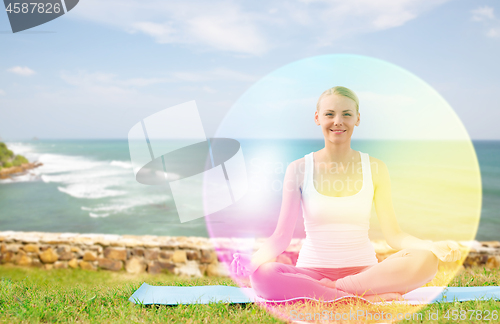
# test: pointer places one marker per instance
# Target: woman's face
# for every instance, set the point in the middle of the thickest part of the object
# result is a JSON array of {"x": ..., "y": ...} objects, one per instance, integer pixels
[{"x": 337, "y": 113}]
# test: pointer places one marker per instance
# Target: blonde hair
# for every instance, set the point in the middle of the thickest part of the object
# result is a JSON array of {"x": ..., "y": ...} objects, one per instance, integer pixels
[{"x": 341, "y": 91}]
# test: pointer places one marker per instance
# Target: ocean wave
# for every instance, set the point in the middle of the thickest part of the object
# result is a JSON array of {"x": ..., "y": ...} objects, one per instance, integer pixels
[
  {"x": 58, "y": 163},
  {"x": 98, "y": 215},
  {"x": 90, "y": 191},
  {"x": 121, "y": 204},
  {"x": 121, "y": 164},
  {"x": 28, "y": 177},
  {"x": 84, "y": 178},
  {"x": 20, "y": 148},
  {"x": 88, "y": 176}
]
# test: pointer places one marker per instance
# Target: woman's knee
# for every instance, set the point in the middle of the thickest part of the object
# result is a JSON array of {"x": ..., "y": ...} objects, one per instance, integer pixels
[
  {"x": 426, "y": 262},
  {"x": 265, "y": 271}
]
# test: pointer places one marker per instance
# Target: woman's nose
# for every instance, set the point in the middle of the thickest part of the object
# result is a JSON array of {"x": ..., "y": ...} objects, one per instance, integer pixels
[{"x": 337, "y": 121}]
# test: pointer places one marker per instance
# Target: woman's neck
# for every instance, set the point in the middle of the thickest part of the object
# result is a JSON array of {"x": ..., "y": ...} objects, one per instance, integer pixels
[{"x": 337, "y": 152}]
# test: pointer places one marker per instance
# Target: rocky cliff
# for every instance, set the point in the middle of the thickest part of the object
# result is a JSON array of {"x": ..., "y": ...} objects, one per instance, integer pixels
[{"x": 12, "y": 165}]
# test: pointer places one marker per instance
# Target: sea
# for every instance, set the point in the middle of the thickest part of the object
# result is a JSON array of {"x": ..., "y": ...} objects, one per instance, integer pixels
[{"x": 88, "y": 186}]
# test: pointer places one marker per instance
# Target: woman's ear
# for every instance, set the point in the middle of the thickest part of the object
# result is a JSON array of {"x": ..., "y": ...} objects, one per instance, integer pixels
[
  {"x": 316, "y": 118},
  {"x": 357, "y": 123}
]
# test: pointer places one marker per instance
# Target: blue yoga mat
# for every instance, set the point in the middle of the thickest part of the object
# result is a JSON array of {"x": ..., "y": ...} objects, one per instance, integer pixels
[{"x": 173, "y": 295}]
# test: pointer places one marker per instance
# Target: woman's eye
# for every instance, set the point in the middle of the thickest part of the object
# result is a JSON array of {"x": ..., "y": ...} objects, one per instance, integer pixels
[{"x": 348, "y": 114}]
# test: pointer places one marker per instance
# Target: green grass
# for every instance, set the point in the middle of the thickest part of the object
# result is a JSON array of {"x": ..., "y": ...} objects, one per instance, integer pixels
[{"x": 30, "y": 295}]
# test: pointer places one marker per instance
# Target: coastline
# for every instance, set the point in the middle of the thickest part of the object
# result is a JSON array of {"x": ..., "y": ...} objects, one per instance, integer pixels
[
  {"x": 91, "y": 188},
  {"x": 181, "y": 255},
  {"x": 15, "y": 171}
]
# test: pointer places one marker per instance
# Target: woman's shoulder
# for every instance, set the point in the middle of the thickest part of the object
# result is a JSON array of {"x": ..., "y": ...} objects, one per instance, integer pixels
[
  {"x": 379, "y": 170},
  {"x": 374, "y": 160},
  {"x": 298, "y": 164},
  {"x": 296, "y": 171}
]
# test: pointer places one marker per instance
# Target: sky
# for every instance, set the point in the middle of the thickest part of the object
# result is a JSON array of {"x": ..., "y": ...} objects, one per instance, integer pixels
[{"x": 96, "y": 71}]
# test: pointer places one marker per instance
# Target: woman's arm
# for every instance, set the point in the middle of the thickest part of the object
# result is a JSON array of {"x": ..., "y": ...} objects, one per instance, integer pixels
[
  {"x": 290, "y": 210},
  {"x": 393, "y": 234},
  {"x": 447, "y": 251}
]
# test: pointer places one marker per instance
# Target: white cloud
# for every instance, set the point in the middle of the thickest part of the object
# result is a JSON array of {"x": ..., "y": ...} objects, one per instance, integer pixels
[
  {"x": 389, "y": 21},
  {"x": 107, "y": 85},
  {"x": 228, "y": 31},
  {"x": 82, "y": 78},
  {"x": 142, "y": 82},
  {"x": 486, "y": 16},
  {"x": 21, "y": 70},
  {"x": 482, "y": 13},
  {"x": 369, "y": 16},
  {"x": 215, "y": 25},
  {"x": 97, "y": 84},
  {"x": 221, "y": 31},
  {"x": 161, "y": 32},
  {"x": 2, "y": 93},
  {"x": 226, "y": 74},
  {"x": 493, "y": 32},
  {"x": 214, "y": 75},
  {"x": 252, "y": 28}
]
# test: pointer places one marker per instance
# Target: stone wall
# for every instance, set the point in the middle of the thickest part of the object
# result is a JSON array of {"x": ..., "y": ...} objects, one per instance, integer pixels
[{"x": 188, "y": 256}]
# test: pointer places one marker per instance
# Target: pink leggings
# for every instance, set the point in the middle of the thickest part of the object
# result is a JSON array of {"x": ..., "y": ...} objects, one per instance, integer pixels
[{"x": 401, "y": 272}]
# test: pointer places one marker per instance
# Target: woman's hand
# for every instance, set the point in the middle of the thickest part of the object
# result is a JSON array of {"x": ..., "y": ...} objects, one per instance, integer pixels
[
  {"x": 242, "y": 265},
  {"x": 447, "y": 251}
]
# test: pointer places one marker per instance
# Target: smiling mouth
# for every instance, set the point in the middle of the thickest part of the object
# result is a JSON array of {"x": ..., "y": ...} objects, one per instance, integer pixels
[{"x": 337, "y": 131}]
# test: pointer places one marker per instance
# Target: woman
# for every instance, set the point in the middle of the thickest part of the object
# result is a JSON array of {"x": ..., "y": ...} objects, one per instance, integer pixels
[{"x": 337, "y": 258}]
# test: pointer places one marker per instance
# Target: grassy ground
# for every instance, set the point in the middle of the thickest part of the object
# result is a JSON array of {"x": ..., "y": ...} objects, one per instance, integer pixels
[{"x": 30, "y": 295}]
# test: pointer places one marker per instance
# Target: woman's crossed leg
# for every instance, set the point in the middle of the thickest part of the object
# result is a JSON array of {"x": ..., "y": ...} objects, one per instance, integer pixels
[
  {"x": 400, "y": 273},
  {"x": 277, "y": 281}
]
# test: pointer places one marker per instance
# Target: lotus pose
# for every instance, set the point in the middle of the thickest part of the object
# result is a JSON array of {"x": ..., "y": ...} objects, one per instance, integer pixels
[{"x": 337, "y": 257}]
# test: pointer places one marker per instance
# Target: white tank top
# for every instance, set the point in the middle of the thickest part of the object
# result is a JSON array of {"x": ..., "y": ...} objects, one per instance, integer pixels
[{"x": 336, "y": 227}]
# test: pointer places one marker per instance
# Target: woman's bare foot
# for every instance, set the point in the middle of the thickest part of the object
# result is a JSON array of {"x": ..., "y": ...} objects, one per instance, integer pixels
[
  {"x": 383, "y": 297},
  {"x": 373, "y": 298},
  {"x": 327, "y": 283}
]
